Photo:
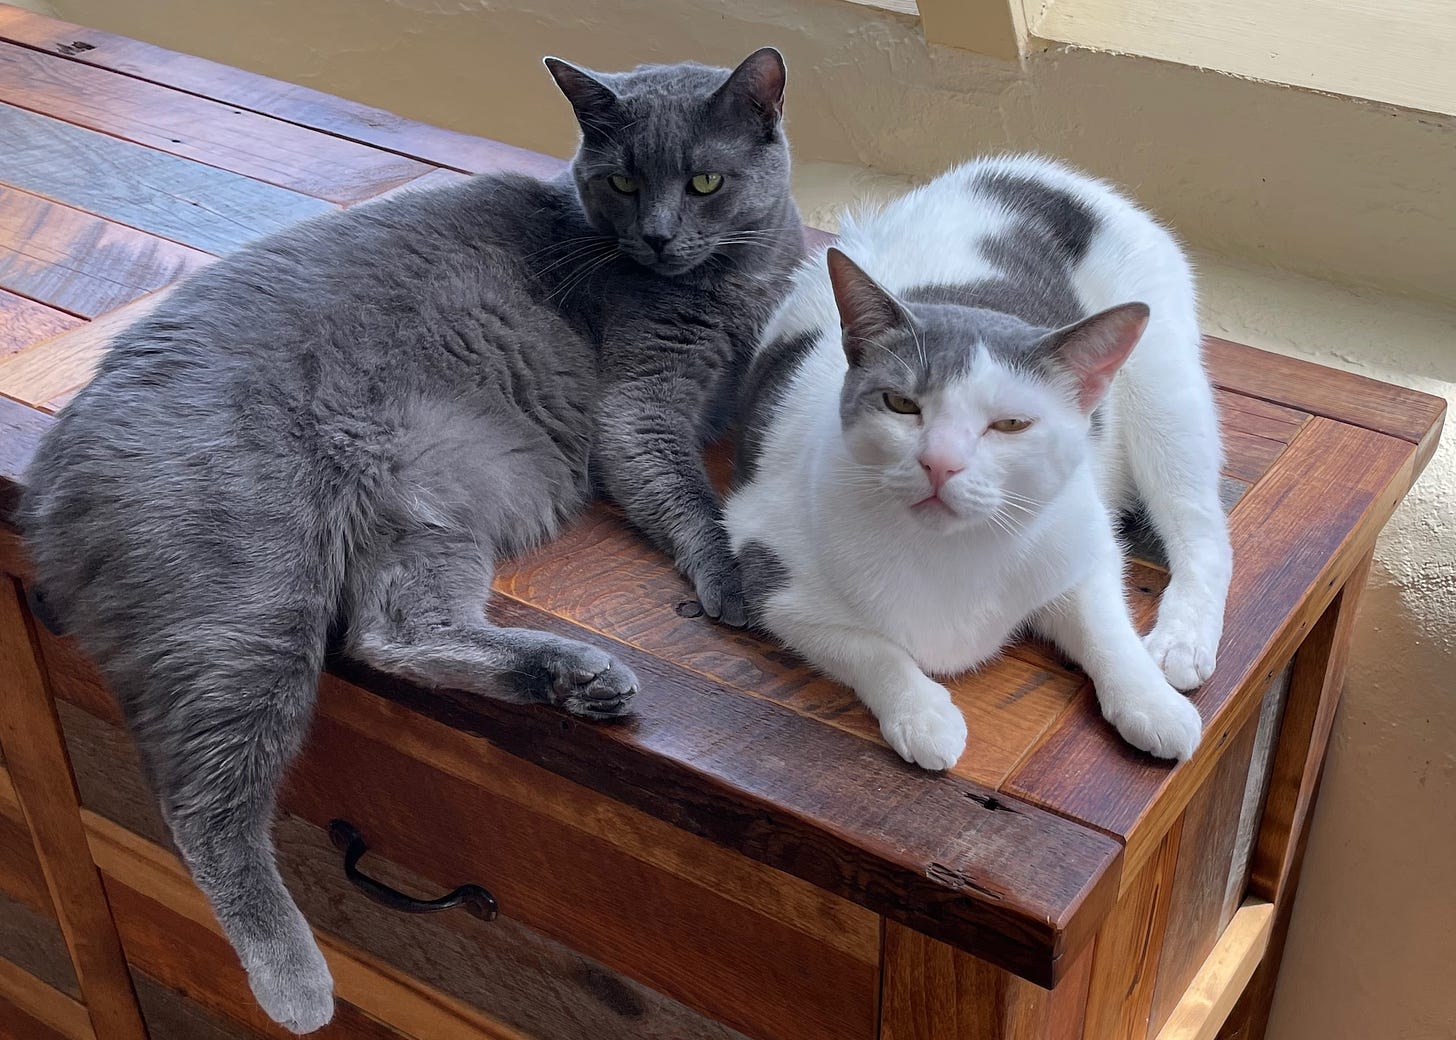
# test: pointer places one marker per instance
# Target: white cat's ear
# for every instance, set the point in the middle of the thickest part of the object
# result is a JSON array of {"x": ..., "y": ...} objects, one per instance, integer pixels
[
  {"x": 1095, "y": 348},
  {"x": 758, "y": 84},
  {"x": 867, "y": 312},
  {"x": 593, "y": 100}
]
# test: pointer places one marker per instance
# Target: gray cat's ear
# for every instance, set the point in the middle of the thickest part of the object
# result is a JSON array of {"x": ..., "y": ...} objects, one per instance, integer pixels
[
  {"x": 867, "y": 312},
  {"x": 1095, "y": 348},
  {"x": 757, "y": 86},
  {"x": 595, "y": 102}
]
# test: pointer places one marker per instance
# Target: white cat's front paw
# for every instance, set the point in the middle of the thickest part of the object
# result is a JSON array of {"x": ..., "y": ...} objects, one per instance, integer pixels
[
  {"x": 926, "y": 728},
  {"x": 1161, "y": 722},
  {"x": 1186, "y": 652}
]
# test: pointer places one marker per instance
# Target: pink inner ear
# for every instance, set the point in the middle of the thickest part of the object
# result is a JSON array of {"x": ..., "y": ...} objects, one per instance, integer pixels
[{"x": 1097, "y": 348}]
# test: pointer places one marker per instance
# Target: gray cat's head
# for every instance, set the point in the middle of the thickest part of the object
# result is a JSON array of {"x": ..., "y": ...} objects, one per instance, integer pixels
[
  {"x": 966, "y": 415},
  {"x": 678, "y": 161}
]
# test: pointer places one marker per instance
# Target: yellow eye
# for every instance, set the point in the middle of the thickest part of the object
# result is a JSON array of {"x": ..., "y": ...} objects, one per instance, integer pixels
[
  {"x": 1010, "y": 425},
  {"x": 901, "y": 405},
  {"x": 705, "y": 183},
  {"x": 626, "y": 185}
]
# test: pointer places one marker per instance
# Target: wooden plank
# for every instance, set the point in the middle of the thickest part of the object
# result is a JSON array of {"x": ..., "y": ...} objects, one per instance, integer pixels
[
  {"x": 62, "y": 365},
  {"x": 23, "y": 322},
  {"x": 436, "y": 178},
  {"x": 170, "y": 932},
  {"x": 1297, "y": 536},
  {"x": 932, "y": 991},
  {"x": 36, "y": 760},
  {"x": 171, "y": 1015},
  {"x": 1125, "y": 960},
  {"x": 1302, "y": 385},
  {"x": 1208, "y": 834},
  {"x": 220, "y": 135},
  {"x": 286, "y": 101},
  {"x": 81, "y": 263},
  {"x": 20, "y": 431},
  {"x": 32, "y": 941},
  {"x": 187, "y": 202},
  {"x": 32, "y": 1010},
  {"x": 1223, "y": 976},
  {"x": 20, "y": 873},
  {"x": 604, "y": 576}
]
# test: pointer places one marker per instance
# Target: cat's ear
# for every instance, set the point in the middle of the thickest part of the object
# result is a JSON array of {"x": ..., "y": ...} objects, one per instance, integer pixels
[
  {"x": 595, "y": 102},
  {"x": 1094, "y": 348},
  {"x": 867, "y": 312},
  {"x": 757, "y": 86}
]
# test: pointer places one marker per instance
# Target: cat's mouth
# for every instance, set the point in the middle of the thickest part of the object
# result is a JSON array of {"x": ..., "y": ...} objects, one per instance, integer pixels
[{"x": 932, "y": 504}]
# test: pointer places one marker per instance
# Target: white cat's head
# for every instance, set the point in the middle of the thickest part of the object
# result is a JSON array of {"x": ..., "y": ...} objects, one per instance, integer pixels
[{"x": 967, "y": 416}]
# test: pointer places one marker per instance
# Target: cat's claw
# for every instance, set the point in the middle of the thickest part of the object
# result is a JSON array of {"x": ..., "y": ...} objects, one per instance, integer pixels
[
  {"x": 295, "y": 988},
  {"x": 1166, "y": 726},
  {"x": 931, "y": 733},
  {"x": 1185, "y": 655},
  {"x": 590, "y": 682}
]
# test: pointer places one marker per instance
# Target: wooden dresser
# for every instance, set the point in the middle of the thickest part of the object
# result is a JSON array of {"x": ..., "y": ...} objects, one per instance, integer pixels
[{"x": 744, "y": 858}]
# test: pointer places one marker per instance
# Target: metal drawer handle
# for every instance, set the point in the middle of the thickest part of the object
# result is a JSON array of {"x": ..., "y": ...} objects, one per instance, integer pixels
[{"x": 347, "y": 839}]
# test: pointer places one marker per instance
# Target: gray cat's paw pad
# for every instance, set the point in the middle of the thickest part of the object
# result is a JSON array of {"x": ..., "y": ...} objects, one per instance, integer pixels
[
  {"x": 590, "y": 682},
  {"x": 296, "y": 991},
  {"x": 1185, "y": 655}
]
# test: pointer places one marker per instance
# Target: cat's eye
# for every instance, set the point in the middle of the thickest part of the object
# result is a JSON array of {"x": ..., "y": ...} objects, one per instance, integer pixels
[
  {"x": 901, "y": 404},
  {"x": 622, "y": 183},
  {"x": 705, "y": 183},
  {"x": 1010, "y": 425}
]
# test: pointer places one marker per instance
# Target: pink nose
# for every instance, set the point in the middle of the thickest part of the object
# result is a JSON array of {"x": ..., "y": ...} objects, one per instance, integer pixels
[{"x": 939, "y": 468}]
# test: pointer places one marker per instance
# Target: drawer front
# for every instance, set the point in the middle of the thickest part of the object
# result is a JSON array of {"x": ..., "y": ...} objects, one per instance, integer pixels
[{"x": 613, "y": 924}]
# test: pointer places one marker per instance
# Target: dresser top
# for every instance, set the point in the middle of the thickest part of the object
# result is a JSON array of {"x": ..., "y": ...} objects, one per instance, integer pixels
[{"x": 136, "y": 166}]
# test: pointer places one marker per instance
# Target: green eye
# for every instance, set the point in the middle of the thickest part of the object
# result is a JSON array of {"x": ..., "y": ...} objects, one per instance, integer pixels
[
  {"x": 901, "y": 405},
  {"x": 621, "y": 182},
  {"x": 1010, "y": 425},
  {"x": 705, "y": 183}
]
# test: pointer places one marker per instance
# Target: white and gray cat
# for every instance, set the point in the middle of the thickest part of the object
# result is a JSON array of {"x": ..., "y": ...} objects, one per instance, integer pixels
[
  {"x": 333, "y": 434},
  {"x": 940, "y": 431}
]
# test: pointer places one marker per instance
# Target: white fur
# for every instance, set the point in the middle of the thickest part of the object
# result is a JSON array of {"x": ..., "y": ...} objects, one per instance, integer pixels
[{"x": 882, "y": 592}]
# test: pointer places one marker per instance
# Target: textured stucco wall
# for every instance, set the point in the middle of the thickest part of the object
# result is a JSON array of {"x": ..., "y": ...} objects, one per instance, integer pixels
[{"x": 1261, "y": 180}]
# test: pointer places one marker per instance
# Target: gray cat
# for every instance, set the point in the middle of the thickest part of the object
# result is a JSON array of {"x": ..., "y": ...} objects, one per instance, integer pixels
[{"x": 333, "y": 434}]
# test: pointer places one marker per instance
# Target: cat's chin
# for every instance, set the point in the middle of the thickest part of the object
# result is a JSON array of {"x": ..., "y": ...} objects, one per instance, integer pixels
[{"x": 936, "y": 515}]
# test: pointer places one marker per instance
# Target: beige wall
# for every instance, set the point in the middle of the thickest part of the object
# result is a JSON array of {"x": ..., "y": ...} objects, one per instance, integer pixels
[{"x": 1271, "y": 186}]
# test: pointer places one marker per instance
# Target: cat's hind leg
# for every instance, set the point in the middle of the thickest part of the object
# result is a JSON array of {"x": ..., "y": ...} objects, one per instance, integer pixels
[
  {"x": 419, "y": 612},
  {"x": 1173, "y": 452},
  {"x": 1091, "y": 623}
]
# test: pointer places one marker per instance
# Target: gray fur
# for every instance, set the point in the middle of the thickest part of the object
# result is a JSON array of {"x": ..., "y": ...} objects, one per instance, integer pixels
[
  {"x": 763, "y": 575},
  {"x": 336, "y": 432},
  {"x": 772, "y": 370}
]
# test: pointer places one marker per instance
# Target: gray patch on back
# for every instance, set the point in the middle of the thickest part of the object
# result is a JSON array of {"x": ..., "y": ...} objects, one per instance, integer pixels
[
  {"x": 763, "y": 388},
  {"x": 763, "y": 575}
]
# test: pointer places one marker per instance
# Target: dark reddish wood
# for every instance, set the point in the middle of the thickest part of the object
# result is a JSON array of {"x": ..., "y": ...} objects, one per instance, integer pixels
[
  {"x": 20, "y": 873},
  {"x": 1208, "y": 833},
  {"x": 310, "y": 108},
  {"x": 1298, "y": 534},
  {"x": 20, "y": 431},
  {"x": 16, "y": 1022},
  {"x": 216, "y": 134},
  {"x": 1302, "y": 385},
  {"x": 23, "y": 322}
]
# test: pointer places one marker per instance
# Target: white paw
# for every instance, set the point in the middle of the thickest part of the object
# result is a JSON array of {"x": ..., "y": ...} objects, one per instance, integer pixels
[
  {"x": 294, "y": 986},
  {"x": 926, "y": 728},
  {"x": 1185, "y": 652},
  {"x": 1160, "y": 721}
]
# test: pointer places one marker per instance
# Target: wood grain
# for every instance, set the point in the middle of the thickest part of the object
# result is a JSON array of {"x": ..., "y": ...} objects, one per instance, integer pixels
[
  {"x": 1222, "y": 977},
  {"x": 32, "y": 941},
  {"x": 32, "y": 1010},
  {"x": 1297, "y": 535},
  {"x": 63, "y": 364},
  {"x": 80, "y": 263},
  {"x": 1125, "y": 960},
  {"x": 286, "y": 101},
  {"x": 36, "y": 760},
  {"x": 220, "y": 135},
  {"x": 23, "y": 322},
  {"x": 20, "y": 873},
  {"x": 20, "y": 431},
  {"x": 1343, "y": 396},
  {"x": 1208, "y": 833},
  {"x": 196, "y": 205}
]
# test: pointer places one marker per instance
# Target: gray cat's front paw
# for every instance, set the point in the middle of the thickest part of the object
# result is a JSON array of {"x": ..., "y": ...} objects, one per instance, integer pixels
[
  {"x": 587, "y": 681},
  {"x": 720, "y": 591},
  {"x": 293, "y": 985}
]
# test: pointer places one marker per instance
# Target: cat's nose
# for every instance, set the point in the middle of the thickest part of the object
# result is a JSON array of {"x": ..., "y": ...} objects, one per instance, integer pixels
[
  {"x": 657, "y": 242},
  {"x": 939, "y": 468}
]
